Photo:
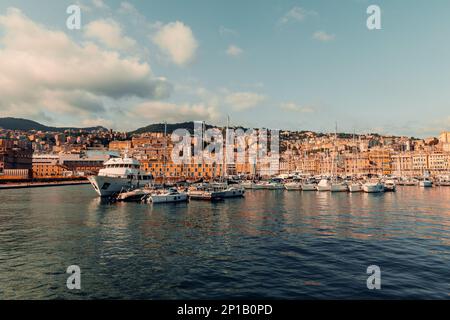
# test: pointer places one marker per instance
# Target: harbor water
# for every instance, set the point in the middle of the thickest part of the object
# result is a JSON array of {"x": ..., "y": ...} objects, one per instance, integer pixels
[{"x": 270, "y": 244}]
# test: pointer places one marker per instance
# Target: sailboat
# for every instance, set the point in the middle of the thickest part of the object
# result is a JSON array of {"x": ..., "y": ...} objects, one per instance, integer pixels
[
  {"x": 169, "y": 195},
  {"x": 426, "y": 181},
  {"x": 355, "y": 186},
  {"x": 228, "y": 191},
  {"x": 217, "y": 190},
  {"x": 336, "y": 186}
]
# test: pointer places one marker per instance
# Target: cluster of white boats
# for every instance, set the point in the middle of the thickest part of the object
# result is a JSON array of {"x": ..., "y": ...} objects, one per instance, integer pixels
[
  {"x": 334, "y": 185},
  {"x": 123, "y": 180}
]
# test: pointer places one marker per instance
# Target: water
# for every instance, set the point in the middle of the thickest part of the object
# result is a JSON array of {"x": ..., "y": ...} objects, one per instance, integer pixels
[{"x": 272, "y": 244}]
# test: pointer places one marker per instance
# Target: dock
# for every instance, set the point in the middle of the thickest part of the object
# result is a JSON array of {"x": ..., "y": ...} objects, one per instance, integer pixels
[{"x": 41, "y": 184}]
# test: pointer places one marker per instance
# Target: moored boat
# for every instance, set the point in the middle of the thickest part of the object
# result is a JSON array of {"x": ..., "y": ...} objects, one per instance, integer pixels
[
  {"x": 355, "y": 187},
  {"x": 324, "y": 185},
  {"x": 309, "y": 185},
  {"x": 373, "y": 187},
  {"x": 133, "y": 195},
  {"x": 426, "y": 183},
  {"x": 339, "y": 187},
  {"x": 119, "y": 174},
  {"x": 293, "y": 186},
  {"x": 167, "y": 196},
  {"x": 390, "y": 186}
]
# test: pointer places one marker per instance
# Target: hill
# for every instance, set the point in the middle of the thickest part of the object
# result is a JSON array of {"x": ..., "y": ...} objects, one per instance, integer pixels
[
  {"x": 159, "y": 127},
  {"x": 27, "y": 125}
]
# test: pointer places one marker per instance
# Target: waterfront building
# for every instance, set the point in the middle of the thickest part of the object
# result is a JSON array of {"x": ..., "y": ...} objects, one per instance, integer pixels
[
  {"x": 47, "y": 166},
  {"x": 15, "y": 159}
]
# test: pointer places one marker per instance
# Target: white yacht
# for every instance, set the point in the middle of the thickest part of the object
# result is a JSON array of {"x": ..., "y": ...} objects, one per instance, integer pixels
[
  {"x": 309, "y": 185},
  {"x": 339, "y": 187},
  {"x": 390, "y": 185},
  {"x": 426, "y": 183},
  {"x": 225, "y": 190},
  {"x": 324, "y": 185},
  {"x": 133, "y": 195},
  {"x": 355, "y": 187},
  {"x": 294, "y": 186},
  {"x": 260, "y": 185},
  {"x": 215, "y": 191},
  {"x": 247, "y": 184},
  {"x": 119, "y": 174},
  {"x": 167, "y": 196},
  {"x": 373, "y": 187}
]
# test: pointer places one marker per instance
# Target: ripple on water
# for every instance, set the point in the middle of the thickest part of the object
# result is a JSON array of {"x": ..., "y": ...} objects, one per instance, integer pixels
[{"x": 268, "y": 245}]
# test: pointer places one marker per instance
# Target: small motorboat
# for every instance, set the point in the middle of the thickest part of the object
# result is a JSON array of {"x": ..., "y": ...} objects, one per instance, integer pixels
[
  {"x": 247, "y": 184},
  {"x": 339, "y": 187},
  {"x": 390, "y": 186},
  {"x": 324, "y": 185},
  {"x": 167, "y": 196},
  {"x": 355, "y": 187},
  {"x": 132, "y": 195},
  {"x": 426, "y": 183},
  {"x": 293, "y": 186},
  {"x": 309, "y": 185},
  {"x": 373, "y": 187}
]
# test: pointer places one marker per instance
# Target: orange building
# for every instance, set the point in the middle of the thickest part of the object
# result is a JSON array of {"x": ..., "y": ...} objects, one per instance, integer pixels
[{"x": 47, "y": 166}]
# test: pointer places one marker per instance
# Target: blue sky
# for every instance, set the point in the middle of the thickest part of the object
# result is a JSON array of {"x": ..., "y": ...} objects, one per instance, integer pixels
[{"x": 280, "y": 64}]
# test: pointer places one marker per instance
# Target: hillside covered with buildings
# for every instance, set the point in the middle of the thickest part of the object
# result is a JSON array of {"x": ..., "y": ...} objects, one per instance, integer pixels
[{"x": 53, "y": 153}]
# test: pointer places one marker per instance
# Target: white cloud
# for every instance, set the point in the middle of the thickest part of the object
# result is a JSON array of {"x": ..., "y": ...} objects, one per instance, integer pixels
[
  {"x": 244, "y": 100},
  {"x": 294, "y": 107},
  {"x": 323, "y": 36},
  {"x": 297, "y": 14},
  {"x": 126, "y": 7},
  {"x": 109, "y": 33},
  {"x": 177, "y": 41},
  {"x": 44, "y": 72},
  {"x": 99, "y": 4},
  {"x": 172, "y": 112},
  {"x": 234, "y": 51}
]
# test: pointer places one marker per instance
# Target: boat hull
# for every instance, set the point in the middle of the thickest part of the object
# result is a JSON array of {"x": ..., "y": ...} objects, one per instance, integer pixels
[
  {"x": 171, "y": 198},
  {"x": 339, "y": 188},
  {"x": 293, "y": 186},
  {"x": 390, "y": 188},
  {"x": 355, "y": 188},
  {"x": 234, "y": 193},
  {"x": 373, "y": 188},
  {"x": 108, "y": 186},
  {"x": 426, "y": 184},
  {"x": 309, "y": 187},
  {"x": 323, "y": 188},
  {"x": 134, "y": 195},
  {"x": 205, "y": 195}
]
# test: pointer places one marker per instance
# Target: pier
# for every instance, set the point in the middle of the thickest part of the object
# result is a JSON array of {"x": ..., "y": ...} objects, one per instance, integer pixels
[{"x": 24, "y": 185}]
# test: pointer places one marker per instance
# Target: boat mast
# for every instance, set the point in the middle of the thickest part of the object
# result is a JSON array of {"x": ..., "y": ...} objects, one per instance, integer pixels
[
  {"x": 224, "y": 162},
  {"x": 334, "y": 158},
  {"x": 165, "y": 153},
  {"x": 354, "y": 153}
]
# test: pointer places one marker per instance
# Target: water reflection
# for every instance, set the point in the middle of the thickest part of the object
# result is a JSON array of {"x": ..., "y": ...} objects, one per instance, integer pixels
[{"x": 270, "y": 244}]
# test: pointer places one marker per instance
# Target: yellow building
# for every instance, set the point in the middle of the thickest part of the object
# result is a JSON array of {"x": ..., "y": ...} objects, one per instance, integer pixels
[
  {"x": 444, "y": 138},
  {"x": 120, "y": 145},
  {"x": 47, "y": 166}
]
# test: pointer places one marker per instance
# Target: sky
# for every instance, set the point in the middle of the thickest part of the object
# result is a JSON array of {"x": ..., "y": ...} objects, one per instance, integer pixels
[{"x": 297, "y": 65}]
